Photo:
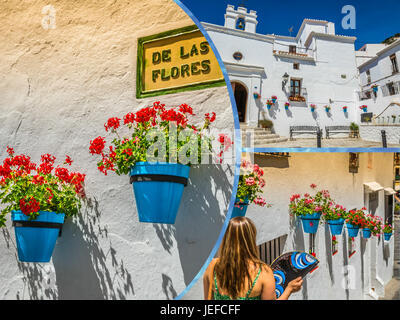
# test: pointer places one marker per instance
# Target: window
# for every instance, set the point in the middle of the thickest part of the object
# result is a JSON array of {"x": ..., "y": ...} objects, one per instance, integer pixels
[
  {"x": 391, "y": 89},
  {"x": 389, "y": 209},
  {"x": 238, "y": 56},
  {"x": 368, "y": 76},
  {"x": 395, "y": 67},
  {"x": 296, "y": 66},
  {"x": 292, "y": 49},
  {"x": 295, "y": 87}
]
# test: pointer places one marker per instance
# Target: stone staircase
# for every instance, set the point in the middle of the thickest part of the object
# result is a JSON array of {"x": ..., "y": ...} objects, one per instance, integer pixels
[{"x": 258, "y": 137}]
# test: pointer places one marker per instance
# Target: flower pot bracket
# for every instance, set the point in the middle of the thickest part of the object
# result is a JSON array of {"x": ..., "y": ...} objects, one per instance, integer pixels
[
  {"x": 158, "y": 177},
  {"x": 38, "y": 224}
]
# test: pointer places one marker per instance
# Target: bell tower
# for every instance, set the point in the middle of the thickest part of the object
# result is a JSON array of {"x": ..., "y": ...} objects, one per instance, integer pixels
[{"x": 240, "y": 19}]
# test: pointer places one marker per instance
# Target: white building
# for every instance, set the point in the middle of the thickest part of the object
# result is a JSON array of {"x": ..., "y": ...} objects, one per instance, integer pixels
[
  {"x": 316, "y": 66},
  {"x": 379, "y": 66}
]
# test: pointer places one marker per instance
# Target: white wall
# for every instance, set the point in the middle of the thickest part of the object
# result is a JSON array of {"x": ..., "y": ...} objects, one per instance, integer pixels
[
  {"x": 321, "y": 77},
  {"x": 328, "y": 171},
  {"x": 381, "y": 68},
  {"x": 58, "y": 87}
]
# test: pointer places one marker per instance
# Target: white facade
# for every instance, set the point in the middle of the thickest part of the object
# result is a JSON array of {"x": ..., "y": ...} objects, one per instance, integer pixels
[
  {"x": 324, "y": 64},
  {"x": 379, "y": 66},
  {"x": 371, "y": 267}
]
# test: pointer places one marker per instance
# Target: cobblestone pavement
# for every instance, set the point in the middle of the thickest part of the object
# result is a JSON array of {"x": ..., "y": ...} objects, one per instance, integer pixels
[{"x": 325, "y": 143}]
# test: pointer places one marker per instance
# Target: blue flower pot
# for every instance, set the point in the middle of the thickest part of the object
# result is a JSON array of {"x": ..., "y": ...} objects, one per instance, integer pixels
[
  {"x": 365, "y": 109},
  {"x": 35, "y": 243},
  {"x": 310, "y": 222},
  {"x": 352, "y": 230},
  {"x": 255, "y": 95},
  {"x": 273, "y": 100},
  {"x": 344, "y": 110},
  {"x": 158, "y": 189},
  {"x": 312, "y": 109},
  {"x": 240, "y": 209},
  {"x": 375, "y": 89},
  {"x": 286, "y": 107},
  {"x": 336, "y": 226},
  {"x": 269, "y": 106},
  {"x": 387, "y": 236},
  {"x": 366, "y": 233}
]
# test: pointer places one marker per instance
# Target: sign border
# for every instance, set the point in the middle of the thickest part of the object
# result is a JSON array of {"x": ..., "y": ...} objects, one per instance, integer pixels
[{"x": 140, "y": 65}]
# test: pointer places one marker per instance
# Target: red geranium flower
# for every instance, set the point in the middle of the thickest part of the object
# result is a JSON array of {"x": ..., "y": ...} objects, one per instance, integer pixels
[
  {"x": 68, "y": 160},
  {"x": 97, "y": 145},
  {"x": 112, "y": 123}
]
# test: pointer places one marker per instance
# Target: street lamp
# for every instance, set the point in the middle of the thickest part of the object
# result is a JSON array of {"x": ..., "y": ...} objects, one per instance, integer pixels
[{"x": 285, "y": 80}]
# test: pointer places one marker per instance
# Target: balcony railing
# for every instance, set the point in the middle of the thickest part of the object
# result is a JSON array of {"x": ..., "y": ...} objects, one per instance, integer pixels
[
  {"x": 299, "y": 97},
  {"x": 365, "y": 95}
]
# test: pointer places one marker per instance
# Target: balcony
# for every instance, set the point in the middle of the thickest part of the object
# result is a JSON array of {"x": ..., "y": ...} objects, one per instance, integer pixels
[
  {"x": 365, "y": 95},
  {"x": 391, "y": 89},
  {"x": 298, "y": 97},
  {"x": 305, "y": 54}
]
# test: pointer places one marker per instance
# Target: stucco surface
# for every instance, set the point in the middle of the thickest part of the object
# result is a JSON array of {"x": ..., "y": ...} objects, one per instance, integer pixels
[
  {"x": 58, "y": 87},
  {"x": 372, "y": 264}
]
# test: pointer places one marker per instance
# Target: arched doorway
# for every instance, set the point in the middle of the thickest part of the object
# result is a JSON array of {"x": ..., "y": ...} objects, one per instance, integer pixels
[{"x": 240, "y": 93}]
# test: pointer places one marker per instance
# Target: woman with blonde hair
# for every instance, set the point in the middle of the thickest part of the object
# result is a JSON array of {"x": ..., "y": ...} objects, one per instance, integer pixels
[{"x": 238, "y": 273}]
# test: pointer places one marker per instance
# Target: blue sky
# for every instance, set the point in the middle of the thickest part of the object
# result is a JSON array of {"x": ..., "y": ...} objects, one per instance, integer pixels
[{"x": 375, "y": 20}]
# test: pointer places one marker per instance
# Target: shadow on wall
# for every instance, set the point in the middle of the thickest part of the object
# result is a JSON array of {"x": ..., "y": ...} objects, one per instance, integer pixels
[
  {"x": 80, "y": 261},
  {"x": 78, "y": 269},
  {"x": 199, "y": 221},
  {"x": 38, "y": 279},
  {"x": 298, "y": 244},
  {"x": 270, "y": 161}
]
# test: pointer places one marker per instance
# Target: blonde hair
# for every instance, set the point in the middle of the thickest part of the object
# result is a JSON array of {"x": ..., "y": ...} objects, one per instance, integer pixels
[{"x": 237, "y": 252}]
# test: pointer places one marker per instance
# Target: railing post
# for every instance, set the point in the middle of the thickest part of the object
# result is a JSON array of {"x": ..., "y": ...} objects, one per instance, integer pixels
[
  {"x": 319, "y": 137},
  {"x": 384, "y": 142}
]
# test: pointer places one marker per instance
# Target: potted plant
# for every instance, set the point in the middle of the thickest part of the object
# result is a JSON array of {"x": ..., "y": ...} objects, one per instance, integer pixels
[
  {"x": 353, "y": 130},
  {"x": 375, "y": 88},
  {"x": 313, "y": 107},
  {"x": 310, "y": 208},
  {"x": 265, "y": 124},
  {"x": 364, "y": 108},
  {"x": 372, "y": 226},
  {"x": 327, "y": 109},
  {"x": 269, "y": 104},
  {"x": 355, "y": 219},
  {"x": 39, "y": 197},
  {"x": 345, "y": 109},
  {"x": 156, "y": 160},
  {"x": 256, "y": 95},
  {"x": 334, "y": 216},
  {"x": 249, "y": 190},
  {"x": 287, "y": 105},
  {"x": 273, "y": 99},
  {"x": 387, "y": 231}
]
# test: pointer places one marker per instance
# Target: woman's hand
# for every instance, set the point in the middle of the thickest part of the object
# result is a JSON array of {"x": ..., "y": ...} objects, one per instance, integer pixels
[{"x": 295, "y": 285}]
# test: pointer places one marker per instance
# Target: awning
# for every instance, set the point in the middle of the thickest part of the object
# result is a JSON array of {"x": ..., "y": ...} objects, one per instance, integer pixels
[
  {"x": 389, "y": 191},
  {"x": 373, "y": 186}
]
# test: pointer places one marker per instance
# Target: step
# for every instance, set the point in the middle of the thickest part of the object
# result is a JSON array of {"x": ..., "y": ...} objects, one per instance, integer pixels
[
  {"x": 260, "y": 136},
  {"x": 251, "y": 129},
  {"x": 261, "y": 142}
]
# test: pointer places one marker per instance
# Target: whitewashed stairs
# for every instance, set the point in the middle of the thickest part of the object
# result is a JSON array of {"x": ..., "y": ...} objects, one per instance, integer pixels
[{"x": 261, "y": 136}]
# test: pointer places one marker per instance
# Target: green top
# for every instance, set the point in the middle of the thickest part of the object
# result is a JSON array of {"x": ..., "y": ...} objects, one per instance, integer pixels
[{"x": 219, "y": 296}]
